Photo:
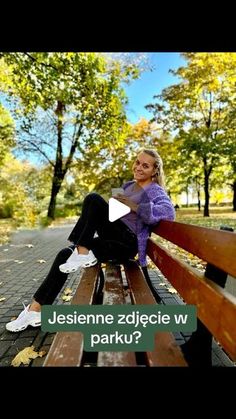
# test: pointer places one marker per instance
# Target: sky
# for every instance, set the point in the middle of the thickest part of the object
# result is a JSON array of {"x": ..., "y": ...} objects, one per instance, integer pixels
[{"x": 141, "y": 91}]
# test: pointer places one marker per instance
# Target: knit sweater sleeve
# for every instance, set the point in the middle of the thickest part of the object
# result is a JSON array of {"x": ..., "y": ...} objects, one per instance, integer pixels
[{"x": 156, "y": 208}]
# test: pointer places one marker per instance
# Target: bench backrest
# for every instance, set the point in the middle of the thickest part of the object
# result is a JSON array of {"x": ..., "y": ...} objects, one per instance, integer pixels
[{"x": 216, "y": 308}]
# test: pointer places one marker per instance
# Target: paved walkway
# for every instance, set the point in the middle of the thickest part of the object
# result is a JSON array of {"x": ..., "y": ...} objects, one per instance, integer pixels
[{"x": 24, "y": 263}]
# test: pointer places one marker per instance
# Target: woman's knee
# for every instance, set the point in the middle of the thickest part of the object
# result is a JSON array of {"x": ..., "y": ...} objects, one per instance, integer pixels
[{"x": 94, "y": 199}]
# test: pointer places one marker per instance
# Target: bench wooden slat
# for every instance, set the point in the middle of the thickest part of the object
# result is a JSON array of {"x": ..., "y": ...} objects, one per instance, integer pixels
[
  {"x": 67, "y": 347},
  {"x": 166, "y": 352},
  {"x": 214, "y": 246},
  {"x": 200, "y": 291},
  {"x": 114, "y": 294}
]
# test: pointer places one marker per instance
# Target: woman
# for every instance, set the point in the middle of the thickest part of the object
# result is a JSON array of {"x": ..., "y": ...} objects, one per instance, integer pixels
[{"x": 119, "y": 240}]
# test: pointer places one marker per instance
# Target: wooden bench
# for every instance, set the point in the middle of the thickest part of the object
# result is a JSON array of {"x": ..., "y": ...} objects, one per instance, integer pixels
[{"x": 216, "y": 308}]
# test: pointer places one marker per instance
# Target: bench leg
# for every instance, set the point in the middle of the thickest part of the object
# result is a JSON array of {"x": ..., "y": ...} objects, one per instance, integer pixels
[
  {"x": 100, "y": 287},
  {"x": 197, "y": 350}
]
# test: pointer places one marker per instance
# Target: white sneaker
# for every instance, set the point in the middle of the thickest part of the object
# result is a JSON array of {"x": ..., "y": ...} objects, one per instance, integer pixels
[
  {"x": 26, "y": 318},
  {"x": 77, "y": 260}
]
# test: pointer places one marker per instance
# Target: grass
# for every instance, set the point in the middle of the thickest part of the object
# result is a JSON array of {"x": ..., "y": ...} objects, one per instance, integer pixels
[{"x": 218, "y": 216}]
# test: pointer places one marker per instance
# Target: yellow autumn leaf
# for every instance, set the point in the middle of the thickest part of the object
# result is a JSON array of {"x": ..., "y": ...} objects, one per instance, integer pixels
[
  {"x": 2, "y": 299},
  {"x": 66, "y": 297},
  {"x": 42, "y": 353},
  {"x": 172, "y": 290},
  {"x": 24, "y": 356},
  {"x": 67, "y": 291},
  {"x": 41, "y": 261},
  {"x": 29, "y": 245}
]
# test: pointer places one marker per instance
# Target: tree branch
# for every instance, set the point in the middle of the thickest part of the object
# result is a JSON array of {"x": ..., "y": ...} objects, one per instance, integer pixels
[{"x": 34, "y": 146}]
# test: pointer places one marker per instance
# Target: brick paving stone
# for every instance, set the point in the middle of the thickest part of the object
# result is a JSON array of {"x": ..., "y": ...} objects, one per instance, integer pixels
[
  {"x": 6, "y": 361},
  {"x": 18, "y": 345},
  {"x": 4, "y": 347},
  {"x": 9, "y": 336}
]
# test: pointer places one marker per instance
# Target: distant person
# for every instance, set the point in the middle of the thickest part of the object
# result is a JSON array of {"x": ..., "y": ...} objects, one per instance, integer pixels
[
  {"x": 176, "y": 207},
  {"x": 118, "y": 240}
]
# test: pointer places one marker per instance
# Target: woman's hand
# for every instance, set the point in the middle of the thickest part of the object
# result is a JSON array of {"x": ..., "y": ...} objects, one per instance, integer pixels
[{"x": 126, "y": 201}]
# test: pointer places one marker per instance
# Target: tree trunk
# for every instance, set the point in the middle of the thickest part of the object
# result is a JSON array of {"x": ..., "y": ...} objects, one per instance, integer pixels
[
  {"x": 198, "y": 188},
  {"x": 59, "y": 174},
  {"x": 198, "y": 201},
  {"x": 234, "y": 197},
  {"x": 207, "y": 196},
  {"x": 207, "y": 172},
  {"x": 56, "y": 185},
  {"x": 187, "y": 197}
]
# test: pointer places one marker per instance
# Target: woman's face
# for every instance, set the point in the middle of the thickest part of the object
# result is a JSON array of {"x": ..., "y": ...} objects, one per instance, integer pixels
[{"x": 143, "y": 167}]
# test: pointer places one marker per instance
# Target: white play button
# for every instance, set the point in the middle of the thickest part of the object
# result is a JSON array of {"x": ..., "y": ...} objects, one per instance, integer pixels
[{"x": 117, "y": 209}]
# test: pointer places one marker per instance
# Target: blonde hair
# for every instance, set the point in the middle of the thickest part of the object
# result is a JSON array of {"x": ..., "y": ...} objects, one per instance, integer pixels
[{"x": 159, "y": 176}]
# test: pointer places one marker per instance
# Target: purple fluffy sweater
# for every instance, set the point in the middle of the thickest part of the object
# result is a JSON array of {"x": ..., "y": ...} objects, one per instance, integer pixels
[{"x": 155, "y": 206}]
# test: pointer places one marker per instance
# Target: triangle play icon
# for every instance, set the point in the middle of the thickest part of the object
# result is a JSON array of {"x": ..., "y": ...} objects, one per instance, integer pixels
[{"x": 117, "y": 209}]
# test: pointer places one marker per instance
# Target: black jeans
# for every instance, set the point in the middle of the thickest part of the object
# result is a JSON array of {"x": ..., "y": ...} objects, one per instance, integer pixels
[{"x": 115, "y": 242}]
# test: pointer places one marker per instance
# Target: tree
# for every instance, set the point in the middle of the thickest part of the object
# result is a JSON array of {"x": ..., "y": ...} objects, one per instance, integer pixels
[
  {"x": 7, "y": 139},
  {"x": 15, "y": 201},
  {"x": 195, "y": 109},
  {"x": 68, "y": 103}
]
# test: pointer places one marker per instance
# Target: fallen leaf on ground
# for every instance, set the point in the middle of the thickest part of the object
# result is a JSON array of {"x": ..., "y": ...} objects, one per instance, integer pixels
[
  {"x": 162, "y": 283},
  {"x": 42, "y": 353},
  {"x": 2, "y": 299},
  {"x": 172, "y": 290},
  {"x": 67, "y": 291},
  {"x": 13, "y": 318},
  {"x": 29, "y": 245},
  {"x": 0, "y": 283},
  {"x": 41, "y": 261},
  {"x": 25, "y": 356},
  {"x": 66, "y": 297}
]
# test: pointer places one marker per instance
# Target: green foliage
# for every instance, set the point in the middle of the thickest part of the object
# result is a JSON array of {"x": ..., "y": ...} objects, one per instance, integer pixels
[
  {"x": 70, "y": 105},
  {"x": 14, "y": 200},
  {"x": 7, "y": 140},
  {"x": 199, "y": 110}
]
